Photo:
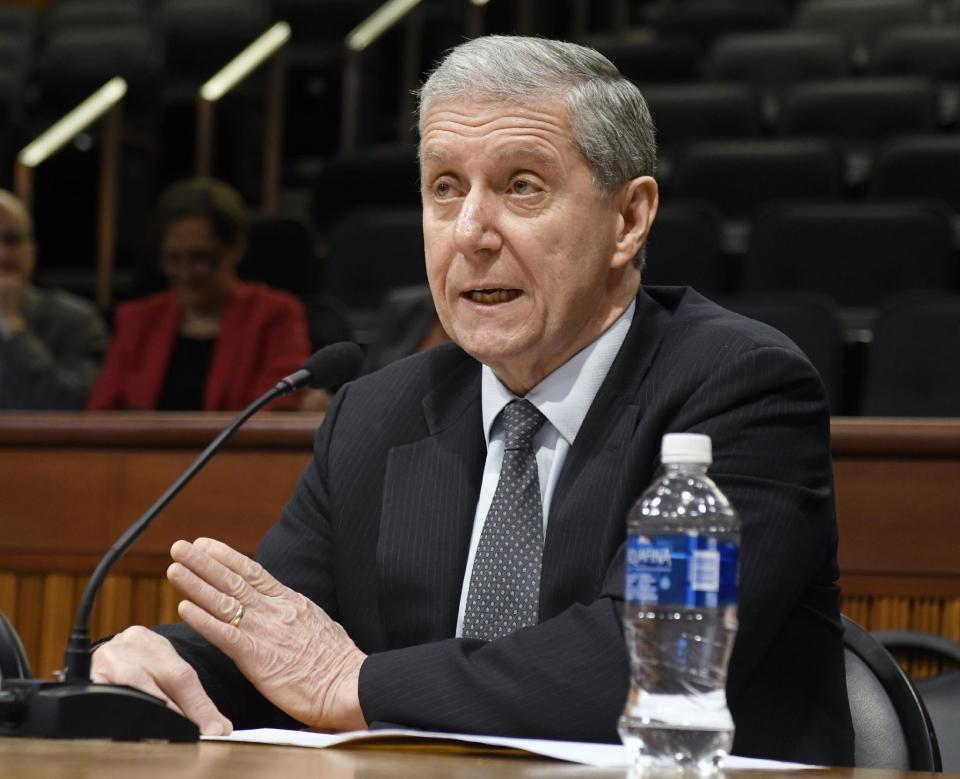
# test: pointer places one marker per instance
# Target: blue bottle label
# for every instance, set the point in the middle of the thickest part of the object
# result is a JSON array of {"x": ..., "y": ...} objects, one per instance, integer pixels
[{"x": 680, "y": 569}]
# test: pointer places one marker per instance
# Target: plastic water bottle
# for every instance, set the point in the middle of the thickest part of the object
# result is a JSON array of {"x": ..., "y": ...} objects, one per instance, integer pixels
[{"x": 680, "y": 614}]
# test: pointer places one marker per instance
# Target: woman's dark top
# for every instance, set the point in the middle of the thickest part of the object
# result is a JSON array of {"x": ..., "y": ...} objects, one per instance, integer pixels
[{"x": 186, "y": 374}]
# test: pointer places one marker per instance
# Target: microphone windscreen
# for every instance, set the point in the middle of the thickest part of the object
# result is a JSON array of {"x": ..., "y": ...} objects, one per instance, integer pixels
[{"x": 333, "y": 365}]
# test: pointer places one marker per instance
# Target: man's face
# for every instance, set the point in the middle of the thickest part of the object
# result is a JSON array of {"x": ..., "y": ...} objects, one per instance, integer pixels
[
  {"x": 521, "y": 249},
  {"x": 17, "y": 252},
  {"x": 197, "y": 263}
]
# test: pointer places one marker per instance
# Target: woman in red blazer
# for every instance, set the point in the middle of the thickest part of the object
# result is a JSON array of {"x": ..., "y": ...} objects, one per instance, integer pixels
[{"x": 210, "y": 342}]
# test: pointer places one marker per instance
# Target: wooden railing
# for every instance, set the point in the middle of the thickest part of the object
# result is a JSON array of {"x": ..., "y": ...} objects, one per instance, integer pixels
[{"x": 70, "y": 483}]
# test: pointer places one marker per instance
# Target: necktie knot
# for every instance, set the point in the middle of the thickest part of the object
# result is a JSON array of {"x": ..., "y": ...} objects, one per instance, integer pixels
[{"x": 521, "y": 421}]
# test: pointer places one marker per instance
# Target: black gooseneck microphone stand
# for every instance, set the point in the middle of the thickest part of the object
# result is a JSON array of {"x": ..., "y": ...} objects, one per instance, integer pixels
[{"x": 75, "y": 706}]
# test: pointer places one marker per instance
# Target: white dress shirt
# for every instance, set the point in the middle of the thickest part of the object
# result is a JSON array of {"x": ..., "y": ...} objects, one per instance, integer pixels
[{"x": 563, "y": 397}]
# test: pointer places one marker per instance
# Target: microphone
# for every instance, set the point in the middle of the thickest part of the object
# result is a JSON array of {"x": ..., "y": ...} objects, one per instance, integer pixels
[{"x": 75, "y": 707}]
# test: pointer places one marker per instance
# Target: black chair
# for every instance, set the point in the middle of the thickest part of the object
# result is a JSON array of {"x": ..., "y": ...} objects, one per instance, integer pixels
[
  {"x": 919, "y": 50},
  {"x": 372, "y": 251},
  {"x": 779, "y": 58},
  {"x": 653, "y": 58},
  {"x": 860, "y": 109},
  {"x": 891, "y": 726},
  {"x": 912, "y": 368},
  {"x": 812, "y": 322},
  {"x": 860, "y": 113},
  {"x": 344, "y": 184},
  {"x": 93, "y": 13},
  {"x": 201, "y": 36},
  {"x": 77, "y": 60},
  {"x": 860, "y": 21},
  {"x": 707, "y": 20},
  {"x": 280, "y": 252},
  {"x": 918, "y": 167},
  {"x": 685, "y": 248},
  {"x": 19, "y": 21},
  {"x": 688, "y": 112},
  {"x": 683, "y": 113},
  {"x": 739, "y": 176},
  {"x": 857, "y": 254},
  {"x": 773, "y": 61},
  {"x": 940, "y": 693}
]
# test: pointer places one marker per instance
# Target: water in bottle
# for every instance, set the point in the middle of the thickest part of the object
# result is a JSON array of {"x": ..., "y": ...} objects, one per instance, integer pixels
[{"x": 680, "y": 613}]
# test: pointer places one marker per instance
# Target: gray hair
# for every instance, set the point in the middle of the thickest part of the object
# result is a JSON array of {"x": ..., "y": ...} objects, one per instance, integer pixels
[{"x": 609, "y": 119}]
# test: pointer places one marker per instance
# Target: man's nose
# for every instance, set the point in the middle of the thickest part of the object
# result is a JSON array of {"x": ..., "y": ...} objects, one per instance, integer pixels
[{"x": 476, "y": 229}]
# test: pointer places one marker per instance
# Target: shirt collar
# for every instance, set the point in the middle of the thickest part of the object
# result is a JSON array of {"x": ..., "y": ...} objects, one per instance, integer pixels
[{"x": 565, "y": 396}]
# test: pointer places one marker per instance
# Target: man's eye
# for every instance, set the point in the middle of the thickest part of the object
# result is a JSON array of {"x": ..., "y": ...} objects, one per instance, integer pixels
[
  {"x": 442, "y": 189},
  {"x": 521, "y": 187}
]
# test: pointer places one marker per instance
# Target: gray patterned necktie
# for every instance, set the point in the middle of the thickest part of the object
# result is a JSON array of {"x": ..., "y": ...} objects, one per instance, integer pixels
[{"x": 504, "y": 590}]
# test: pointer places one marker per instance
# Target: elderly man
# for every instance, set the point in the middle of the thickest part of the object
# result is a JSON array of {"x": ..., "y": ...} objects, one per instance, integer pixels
[
  {"x": 50, "y": 341},
  {"x": 374, "y": 599}
]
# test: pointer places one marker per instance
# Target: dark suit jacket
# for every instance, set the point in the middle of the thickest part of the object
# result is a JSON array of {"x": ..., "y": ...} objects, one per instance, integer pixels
[
  {"x": 263, "y": 336},
  {"x": 378, "y": 530}
]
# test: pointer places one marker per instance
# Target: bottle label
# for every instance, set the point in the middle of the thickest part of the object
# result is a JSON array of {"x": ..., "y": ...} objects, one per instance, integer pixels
[{"x": 681, "y": 569}]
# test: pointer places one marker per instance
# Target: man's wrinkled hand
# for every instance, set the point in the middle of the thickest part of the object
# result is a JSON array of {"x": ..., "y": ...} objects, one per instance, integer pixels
[
  {"x": 140, "y": 658},
  {"x": 287, "y": 646}
]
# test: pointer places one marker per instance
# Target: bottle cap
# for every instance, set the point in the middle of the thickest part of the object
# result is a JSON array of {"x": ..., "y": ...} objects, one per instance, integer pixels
[{"x": 686, "y": 448}]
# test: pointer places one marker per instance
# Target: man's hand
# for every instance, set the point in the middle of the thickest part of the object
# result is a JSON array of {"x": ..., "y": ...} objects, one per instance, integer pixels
[
  {"x": 11, "y": 303},
  {"x": 140, "y": 658},
  {"x": 286, "y": 645}
]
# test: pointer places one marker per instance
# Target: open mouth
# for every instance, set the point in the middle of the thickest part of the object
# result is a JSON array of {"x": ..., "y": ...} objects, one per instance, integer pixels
[{"x": 490, "y": 297}]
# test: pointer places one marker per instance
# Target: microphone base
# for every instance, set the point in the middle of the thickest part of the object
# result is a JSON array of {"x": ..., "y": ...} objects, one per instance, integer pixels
[{"x": 49, "y": 709}]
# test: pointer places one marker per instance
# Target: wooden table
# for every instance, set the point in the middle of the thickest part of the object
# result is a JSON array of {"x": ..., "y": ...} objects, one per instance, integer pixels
[{"x": 33, "y": 759}]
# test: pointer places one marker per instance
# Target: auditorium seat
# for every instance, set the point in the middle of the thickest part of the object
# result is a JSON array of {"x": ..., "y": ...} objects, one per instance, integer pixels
[
  {"x": 932, "y": 51},
  {"x": 860, "y": 112},
  {"x": 702, "y": 111},
  {"x": 891, "y": 727},
  {"x": 739, "y": 176},
  {"x": 772, "y": 61},
  {"x": 93, "y": 13},
  {"x": 860, "y": 21},
  {"x": 940, "y": 692},
  {"x": 919, "y": 167},
  {"x": 372, "y": 251},
  {"x": 77, "y": 60},
  {"x": 858, "y": 254},
  {"x": 684, "y": 248},
  {"x": 812, "y": 322},
  {"x": 707, "y": 20},
  {"x": 912, "y": 368},
  {"x": 280, "y": 252},
  {"x": 652, "y": 58},
  {"x": 201, "y": 36},
  {"x": 18, "y": 21},
  {"x": 381, "y": 177}
]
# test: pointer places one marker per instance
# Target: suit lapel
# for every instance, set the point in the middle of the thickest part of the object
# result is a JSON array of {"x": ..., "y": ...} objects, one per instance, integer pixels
[
  {"x": 587, "y": 511},
  {"x": 429, "y": 499}
]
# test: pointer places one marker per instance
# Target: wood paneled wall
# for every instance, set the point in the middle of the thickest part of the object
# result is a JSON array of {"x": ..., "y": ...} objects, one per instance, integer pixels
[{"x": 70, "y": 484}]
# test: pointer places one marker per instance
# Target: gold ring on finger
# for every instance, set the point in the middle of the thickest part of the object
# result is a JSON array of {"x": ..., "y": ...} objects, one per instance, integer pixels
[{"x": 237, "y": 616}]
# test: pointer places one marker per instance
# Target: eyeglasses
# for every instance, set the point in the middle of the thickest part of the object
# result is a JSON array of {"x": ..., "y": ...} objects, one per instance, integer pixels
[{"x": 13, "y": 238}]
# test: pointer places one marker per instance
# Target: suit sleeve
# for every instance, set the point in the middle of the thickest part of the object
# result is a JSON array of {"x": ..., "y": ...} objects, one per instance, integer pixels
[
  {"x": 567, "y": 677},
  {"x": 57, "y": 375}
]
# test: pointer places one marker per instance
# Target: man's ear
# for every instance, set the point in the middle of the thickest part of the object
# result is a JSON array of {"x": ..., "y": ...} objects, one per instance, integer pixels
[{"x": 637, "y": 202}]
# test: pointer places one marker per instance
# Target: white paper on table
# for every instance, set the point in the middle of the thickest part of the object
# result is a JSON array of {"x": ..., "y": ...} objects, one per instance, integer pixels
[{"x": 584, "y": 753}]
